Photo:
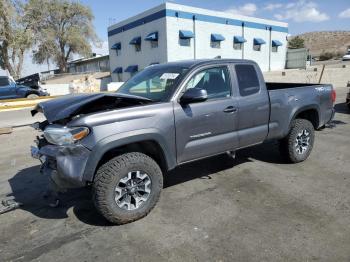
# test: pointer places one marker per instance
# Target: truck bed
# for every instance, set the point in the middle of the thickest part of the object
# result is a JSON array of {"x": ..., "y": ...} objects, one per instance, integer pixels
[
  {"x": 285, "y": 98},
  {"x": 276, "y": 85}
]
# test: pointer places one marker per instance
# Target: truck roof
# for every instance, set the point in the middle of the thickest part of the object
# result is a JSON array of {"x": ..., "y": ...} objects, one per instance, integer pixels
[{"x": 199, "y": 62}]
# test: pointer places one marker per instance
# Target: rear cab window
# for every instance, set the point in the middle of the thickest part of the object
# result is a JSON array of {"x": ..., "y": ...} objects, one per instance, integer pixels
[{"x": 247, "y": 78}]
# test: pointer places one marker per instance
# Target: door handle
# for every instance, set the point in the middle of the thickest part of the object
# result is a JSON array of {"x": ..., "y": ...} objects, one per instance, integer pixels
[{"x": 230, "y": 109}]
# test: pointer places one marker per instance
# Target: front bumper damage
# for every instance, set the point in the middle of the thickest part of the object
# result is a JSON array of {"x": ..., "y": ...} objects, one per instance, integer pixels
[{"x": 64, "y": 165}]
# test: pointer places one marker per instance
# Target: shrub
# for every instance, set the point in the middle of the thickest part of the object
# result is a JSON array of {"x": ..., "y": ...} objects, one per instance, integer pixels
[{"x": 326, "y": 56}]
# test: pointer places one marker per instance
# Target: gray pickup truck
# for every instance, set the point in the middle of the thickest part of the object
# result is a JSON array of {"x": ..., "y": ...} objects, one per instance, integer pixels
[{"x": 167, "y": 115}]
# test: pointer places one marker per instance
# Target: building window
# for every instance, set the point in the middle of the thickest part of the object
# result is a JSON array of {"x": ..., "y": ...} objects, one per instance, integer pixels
[
  {"x": 117, "y": 47},
  {"x": 215, "y": 40},
  {"x": 238, "y": 42},
  {"x": 185, "y": 42},
  {"x": 185, "y": 37},
  {"x": 215, "y": 44},
  {"x": 153, "y": 38},
  {"x": 120, "y": 77},
  {"x": 257, "y": 43},
  {"x": 136, "y": 42},
  {"x": 138, "y": 47},
  {"x": 275, "y": 44},
  {"x": 257, "y": 47},
  {"x": 237, "y": 46},
  {"x": 132, "y": 69},
  {"x": 154, "y": 44}
]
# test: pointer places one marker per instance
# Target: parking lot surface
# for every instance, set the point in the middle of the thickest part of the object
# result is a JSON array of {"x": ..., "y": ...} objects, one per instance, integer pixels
[{"x": 254, "y": 208}]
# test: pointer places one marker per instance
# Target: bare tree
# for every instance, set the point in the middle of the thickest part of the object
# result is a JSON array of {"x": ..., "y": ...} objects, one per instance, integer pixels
[
  {"x": 15, "y": 37},
  {"x": 62, "y": 28}
]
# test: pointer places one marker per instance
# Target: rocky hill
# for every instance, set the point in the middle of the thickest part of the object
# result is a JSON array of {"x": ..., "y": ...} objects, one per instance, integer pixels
[{"x": 335, "y": 42}]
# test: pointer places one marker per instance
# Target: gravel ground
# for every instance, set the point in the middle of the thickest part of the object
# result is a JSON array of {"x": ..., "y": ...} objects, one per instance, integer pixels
[{"x": 256, "y": 208}]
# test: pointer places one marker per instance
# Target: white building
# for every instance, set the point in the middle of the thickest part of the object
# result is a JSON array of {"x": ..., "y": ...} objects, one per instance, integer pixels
[{"x": 171, "y": 32}]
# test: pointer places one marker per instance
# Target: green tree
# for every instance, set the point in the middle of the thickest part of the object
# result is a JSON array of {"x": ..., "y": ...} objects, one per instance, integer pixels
[
  {"x": 296, "y": 42},
  {"x": 15, "y": 36},
  {"x": 62, "y": 28}
]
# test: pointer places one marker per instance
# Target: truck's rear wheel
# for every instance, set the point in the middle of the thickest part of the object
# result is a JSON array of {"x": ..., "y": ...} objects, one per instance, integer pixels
[
  {"x": 127, "y": 187},
  {"x": 298, "y": 144}
]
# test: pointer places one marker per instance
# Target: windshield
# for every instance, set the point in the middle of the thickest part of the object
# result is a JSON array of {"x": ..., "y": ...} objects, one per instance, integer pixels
[{"x": 157, "y": 83}]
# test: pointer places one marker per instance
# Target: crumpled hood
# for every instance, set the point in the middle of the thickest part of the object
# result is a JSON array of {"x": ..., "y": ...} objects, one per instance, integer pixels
[{"x": 69, "y": 105}]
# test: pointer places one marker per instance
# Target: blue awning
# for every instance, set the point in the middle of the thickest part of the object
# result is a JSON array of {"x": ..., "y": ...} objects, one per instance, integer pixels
[
  {"x": 184, "y": 34},
  {"x": 239, "y": 39},
  {"x": 136, "y": 41},
  {"x": 276, "y": 43},
  {"x": 117, "y": 46},
  {"x": 259, "y": 41},
  {"x": 132, "y": 69},
  {"x": 154, "y": 63},
  {"x": 217, "y": 38},
  {"x": 118, "y": 70},
  {"x": 152, "y": 36}
]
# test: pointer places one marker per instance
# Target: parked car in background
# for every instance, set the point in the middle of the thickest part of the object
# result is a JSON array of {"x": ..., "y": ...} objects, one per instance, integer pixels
[
  {"x": 168, "y": 115},
  {"x": 9, "y": 89},
  {"x": 347, "y": 56}
]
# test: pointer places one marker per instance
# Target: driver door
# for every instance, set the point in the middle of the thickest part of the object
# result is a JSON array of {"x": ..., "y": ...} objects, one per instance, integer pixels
[{"x": 209, "y": 127}]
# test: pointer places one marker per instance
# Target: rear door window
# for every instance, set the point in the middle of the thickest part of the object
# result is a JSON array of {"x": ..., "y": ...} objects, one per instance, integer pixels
[{"x": 248, "y": 81}]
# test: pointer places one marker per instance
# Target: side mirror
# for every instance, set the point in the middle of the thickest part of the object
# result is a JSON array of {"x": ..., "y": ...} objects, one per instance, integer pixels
[{"x": 194, "y": 95}]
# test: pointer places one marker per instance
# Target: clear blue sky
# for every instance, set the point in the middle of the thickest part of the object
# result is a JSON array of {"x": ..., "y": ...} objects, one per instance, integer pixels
[{"x": 302, "y": 15}]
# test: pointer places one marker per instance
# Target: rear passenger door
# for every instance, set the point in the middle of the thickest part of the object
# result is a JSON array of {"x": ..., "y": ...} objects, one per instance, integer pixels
[{"x": 254, "y": 105}]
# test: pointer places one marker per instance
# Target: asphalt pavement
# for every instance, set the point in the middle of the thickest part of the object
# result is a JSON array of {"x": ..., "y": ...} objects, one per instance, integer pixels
[
  {"x": 254, "y": 208},
  {"x": 18, "y": 117}
]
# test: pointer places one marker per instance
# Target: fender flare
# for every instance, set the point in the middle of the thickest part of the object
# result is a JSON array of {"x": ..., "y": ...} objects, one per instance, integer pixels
[
  {"x": 299, "y": 110},
  {"x": 123, "y": 139}
]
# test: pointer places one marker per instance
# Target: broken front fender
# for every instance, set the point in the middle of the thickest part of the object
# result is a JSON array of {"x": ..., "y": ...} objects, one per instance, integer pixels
[{"x": 69, "y": 161}]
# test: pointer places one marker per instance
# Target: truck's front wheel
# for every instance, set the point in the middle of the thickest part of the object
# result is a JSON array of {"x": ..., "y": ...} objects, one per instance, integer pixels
[
  {"x": 298, "y": 144},
  {"x": 127, "y": 187}
]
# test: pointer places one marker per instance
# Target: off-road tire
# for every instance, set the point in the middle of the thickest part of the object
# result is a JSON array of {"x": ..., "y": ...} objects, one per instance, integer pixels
[
  {"x": 287, "y": 144},
  {"x": 107, "y": 178}
]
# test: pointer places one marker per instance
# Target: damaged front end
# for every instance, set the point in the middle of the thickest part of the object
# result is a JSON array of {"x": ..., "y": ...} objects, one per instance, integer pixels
[
  {"x": 64, "y": 164},
  {"x": 60, "y": 146}
]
